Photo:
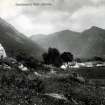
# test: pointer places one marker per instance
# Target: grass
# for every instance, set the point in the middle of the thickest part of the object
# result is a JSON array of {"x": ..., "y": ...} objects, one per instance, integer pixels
[{"x": 16, "y": 88}]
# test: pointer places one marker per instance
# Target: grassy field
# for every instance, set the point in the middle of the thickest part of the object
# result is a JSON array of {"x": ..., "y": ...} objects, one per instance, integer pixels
[
  {"x": 25, "y": 88},
  {"x": 92, "y": 73}
]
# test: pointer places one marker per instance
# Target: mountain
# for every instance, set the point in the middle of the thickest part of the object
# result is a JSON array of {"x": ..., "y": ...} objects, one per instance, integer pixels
[
  {"x": 39, "y": 37},
  {"x": 86, "y": 44},
  {"x": 15, "y": 42},
  {"x": 94, "y": 42}
]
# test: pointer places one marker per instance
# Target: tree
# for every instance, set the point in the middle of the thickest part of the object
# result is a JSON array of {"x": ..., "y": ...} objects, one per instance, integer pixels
[
  {"x": 31, "y": 62},
  {"x": 78, "y": 60},
  {"x": 45, "y": 58},
  {"x": 96, "y": 58},
  {"x": 52, "y": 57},
  {"x": 27, "y": 61},
  {"x": 21, "y": 56},
  {"x": 67, "y": 57}
]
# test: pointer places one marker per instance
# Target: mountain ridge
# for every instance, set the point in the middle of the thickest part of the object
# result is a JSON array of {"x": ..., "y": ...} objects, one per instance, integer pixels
[
  {"x": 84, "y": 44},
  {"x": 15, "y": 42}
]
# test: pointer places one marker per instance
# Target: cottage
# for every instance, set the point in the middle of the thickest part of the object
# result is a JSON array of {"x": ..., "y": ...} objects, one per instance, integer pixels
[{"x": 2, "y": 52}]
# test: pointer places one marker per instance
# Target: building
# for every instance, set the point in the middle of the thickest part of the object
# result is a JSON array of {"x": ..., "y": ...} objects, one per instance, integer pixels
[{"x": 2, "y": 52}]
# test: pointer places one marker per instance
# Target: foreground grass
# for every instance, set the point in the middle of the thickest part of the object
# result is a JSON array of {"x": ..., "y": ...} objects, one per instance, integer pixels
[{"x": 26, "y": 88}]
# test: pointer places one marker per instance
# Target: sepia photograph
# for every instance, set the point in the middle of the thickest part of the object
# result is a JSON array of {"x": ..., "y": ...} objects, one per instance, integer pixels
[{"x": 52, "y": 52}]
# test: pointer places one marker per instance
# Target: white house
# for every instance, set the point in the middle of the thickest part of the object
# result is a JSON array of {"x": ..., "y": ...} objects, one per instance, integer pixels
[{"x": 2, "y": 52}]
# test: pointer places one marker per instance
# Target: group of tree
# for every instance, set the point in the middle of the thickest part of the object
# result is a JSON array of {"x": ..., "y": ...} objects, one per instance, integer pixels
[
  {"x": 26, "y": 60},
  {"x": 54, "y": 57},
  {"x": 97, "y": 58}
]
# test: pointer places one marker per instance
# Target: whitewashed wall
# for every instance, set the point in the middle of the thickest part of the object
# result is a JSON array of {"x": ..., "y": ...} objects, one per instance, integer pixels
[{"x": 2, "y": 51}]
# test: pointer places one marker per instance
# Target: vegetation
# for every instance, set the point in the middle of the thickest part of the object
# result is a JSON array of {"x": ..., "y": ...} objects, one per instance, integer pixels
[
  {"x": 96, "y": 58},
  {"x": 19, "y": 87},
  {"x": 55, "y": 58},
  {"x": 67, "y": 57},
  {"x": 27, "y": 61},
  {"x": 52, "y": 57}
]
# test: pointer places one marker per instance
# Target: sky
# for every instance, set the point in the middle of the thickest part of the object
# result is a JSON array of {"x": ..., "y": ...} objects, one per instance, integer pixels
[{"x": 35, "y": 17}]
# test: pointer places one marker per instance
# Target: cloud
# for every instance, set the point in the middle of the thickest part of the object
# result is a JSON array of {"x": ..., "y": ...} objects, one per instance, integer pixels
[
  {"x": 87, "y": 17},
  {"x": 98, "y": 1},
  {"x": 26, "y": 26},
  {"x": 57, "y": 5},
  {"x": 62, "y": 14},
  {"x": 45, "y": 22},
  {"x": 8, "y": 9}
]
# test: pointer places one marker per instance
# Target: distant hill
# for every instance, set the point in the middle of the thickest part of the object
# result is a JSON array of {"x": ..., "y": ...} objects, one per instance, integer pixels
[
  {"x": 94, "y": 42},
  {"x": 39, "y": 37},
  {"x": 86, "y": 44},
  {"x": 15, "y": 42}
]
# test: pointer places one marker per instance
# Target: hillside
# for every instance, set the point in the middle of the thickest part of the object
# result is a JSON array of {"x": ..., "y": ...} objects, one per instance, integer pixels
[
  {"x": 19, "y": 87},
  {"x": 94, "y": 42},
  {"x": 86, "y": 44},
  {"x": 42, "y": 87},
  {"x": 60, "y": 40},
  {"x": 15, "y": 42}
]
